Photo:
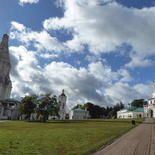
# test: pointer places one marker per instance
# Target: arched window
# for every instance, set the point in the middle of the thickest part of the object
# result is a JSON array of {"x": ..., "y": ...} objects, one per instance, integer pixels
[{"x": 63, "y": 105}]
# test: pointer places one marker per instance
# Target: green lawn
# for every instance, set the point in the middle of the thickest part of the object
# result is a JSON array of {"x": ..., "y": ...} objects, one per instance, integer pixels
[{"x": 60, "y": 137}]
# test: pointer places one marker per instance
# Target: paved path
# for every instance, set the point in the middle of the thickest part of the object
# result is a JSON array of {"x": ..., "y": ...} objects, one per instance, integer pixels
[{"x": 138, "y": 141}]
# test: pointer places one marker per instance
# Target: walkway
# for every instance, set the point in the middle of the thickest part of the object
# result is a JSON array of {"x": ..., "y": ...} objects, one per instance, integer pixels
[{"x": 138, "y": 141}]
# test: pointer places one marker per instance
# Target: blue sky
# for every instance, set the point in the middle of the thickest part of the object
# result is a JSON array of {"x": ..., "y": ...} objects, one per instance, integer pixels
[{"x": 99, "y": 51}]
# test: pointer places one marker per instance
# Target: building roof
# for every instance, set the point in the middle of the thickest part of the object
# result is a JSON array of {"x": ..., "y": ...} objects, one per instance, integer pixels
[
  {"x": 11, "y": 100},
  {"x": 139, "y": 110},
  {"x": 62, "y": 94},
  {"x": 134, "y": 109},
  {"x": 151, "y": 98}
]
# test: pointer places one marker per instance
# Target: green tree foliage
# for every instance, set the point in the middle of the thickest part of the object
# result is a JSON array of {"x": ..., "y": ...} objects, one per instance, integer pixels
[
  {"x": 95, "y": 111},
  {"x": 48, "y": 105},
  {"x": 43, "y": 105},
  {"x": 138, "y": 103},
  {"x": 77, "y": 106},
  {"x": 117, "y": 107},
  {"x": 28, "y": 105}
]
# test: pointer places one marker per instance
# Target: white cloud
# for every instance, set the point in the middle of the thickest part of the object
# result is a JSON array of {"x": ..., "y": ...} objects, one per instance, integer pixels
[
  {"x": 22, "y": 2},
  {"x": 18, "y": 26},
  {"x": 125, "y": 93},
  {"x": 47, "y": 56},
  {"x": 125, "y": 75},
  {"x": 102, "y": 72},
  {"x": 93, "y": 84},
  {"x": 99, "y": 25},
  {"x": 105, "y": 27},
  {"x": 41, "y": 40},
  {"x": 144, "y": 90},
  {"x": 54, "y": 77},
  {"x": 139, "y": 61}
]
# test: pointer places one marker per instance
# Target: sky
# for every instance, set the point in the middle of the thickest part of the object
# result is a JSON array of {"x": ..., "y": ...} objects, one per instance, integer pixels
[{"x": 99, "y": 51}]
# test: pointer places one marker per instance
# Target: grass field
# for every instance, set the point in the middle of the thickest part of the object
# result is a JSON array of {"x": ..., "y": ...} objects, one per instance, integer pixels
[{"x": 66, "y": 137}]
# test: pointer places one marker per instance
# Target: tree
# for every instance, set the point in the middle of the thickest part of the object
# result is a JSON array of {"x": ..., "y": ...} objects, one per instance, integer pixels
[
  {"x": 95, "y": 111},
  {"x": 28, "y": 105},
  {"x": 109, "y": 110},
  {"x": 116, "y": 108},
  {"x": 77, "y": 106},
  {"x": 138, "y": 103},
  {"x": 48, "y": 105}
]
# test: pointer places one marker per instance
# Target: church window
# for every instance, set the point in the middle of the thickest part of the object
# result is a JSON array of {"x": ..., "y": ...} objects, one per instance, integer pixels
[{"x": 63, "y": 106}]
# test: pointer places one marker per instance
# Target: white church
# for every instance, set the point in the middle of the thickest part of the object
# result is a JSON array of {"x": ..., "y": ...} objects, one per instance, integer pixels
[
  {"x": 149, "y": 110},
  {"x": 134, "y": 112},
  {"x": 8, "y": 107},
  {"x": 62, "y": 98}
]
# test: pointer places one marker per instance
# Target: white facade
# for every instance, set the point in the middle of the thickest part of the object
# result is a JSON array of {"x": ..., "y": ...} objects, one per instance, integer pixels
[
  {"x": 149, "y": 109},
  {"x": 62, "y": 101},
  {"x": 79, "y": 114},
  {"x": 9, "y": 109},
  {"x": 5, "y": 66},
  {"x": 129, "y": 114}
]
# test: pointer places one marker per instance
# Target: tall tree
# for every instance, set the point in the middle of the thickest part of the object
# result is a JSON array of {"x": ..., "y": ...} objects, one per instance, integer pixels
[
  {"x": 116, "y": 108},
  {"x": 28, "y": 105},
  {"x": 77, "y": 106},
  {"x": 48, "y": 105},
  {"x": 95, "y": 111},
  {"x": 138, "y": 103}
]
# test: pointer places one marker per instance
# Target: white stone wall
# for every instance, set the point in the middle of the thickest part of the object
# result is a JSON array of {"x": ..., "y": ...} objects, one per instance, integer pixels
[
  {"x": 8, "y": 111},
  {"x": 124, "y": 115},
  {"x": 153, "y": 112},
  {"x": 79, "y": 114},
  {"x": 130, "y": 114}
]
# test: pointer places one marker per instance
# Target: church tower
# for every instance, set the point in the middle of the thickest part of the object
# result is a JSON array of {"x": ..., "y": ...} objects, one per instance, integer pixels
[
  {"x": 5, "y": 67},
  {"x": 153, "y": 94},
  {"x": 62, "y": 101}
]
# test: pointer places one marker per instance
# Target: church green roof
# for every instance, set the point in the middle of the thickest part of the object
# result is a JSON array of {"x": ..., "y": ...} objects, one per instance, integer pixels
[
  {"x": 79, "y": 109},
  {"x": 135, "y": 109},
  {"x": 139, "y": 109}
]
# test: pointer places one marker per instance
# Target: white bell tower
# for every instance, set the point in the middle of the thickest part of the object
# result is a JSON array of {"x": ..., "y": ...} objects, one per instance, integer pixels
[
  {"x": 153, "y": 94},
  {"x": 5, "y": 67},
  {"x": 62, "y": 101}
]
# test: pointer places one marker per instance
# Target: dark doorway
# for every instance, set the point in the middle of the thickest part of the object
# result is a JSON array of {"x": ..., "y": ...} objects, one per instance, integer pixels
[{"x": 151, "y": 113}]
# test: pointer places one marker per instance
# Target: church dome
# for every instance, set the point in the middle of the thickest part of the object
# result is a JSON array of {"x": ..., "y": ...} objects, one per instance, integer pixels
[{"x": 63, "y": 94}]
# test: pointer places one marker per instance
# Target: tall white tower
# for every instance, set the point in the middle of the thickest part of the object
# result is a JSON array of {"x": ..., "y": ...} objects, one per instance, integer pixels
[
  {"x": 62, "y": 101},
  {"x": 153, "y": 94},
  {"x": 5, "y": 67}
]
